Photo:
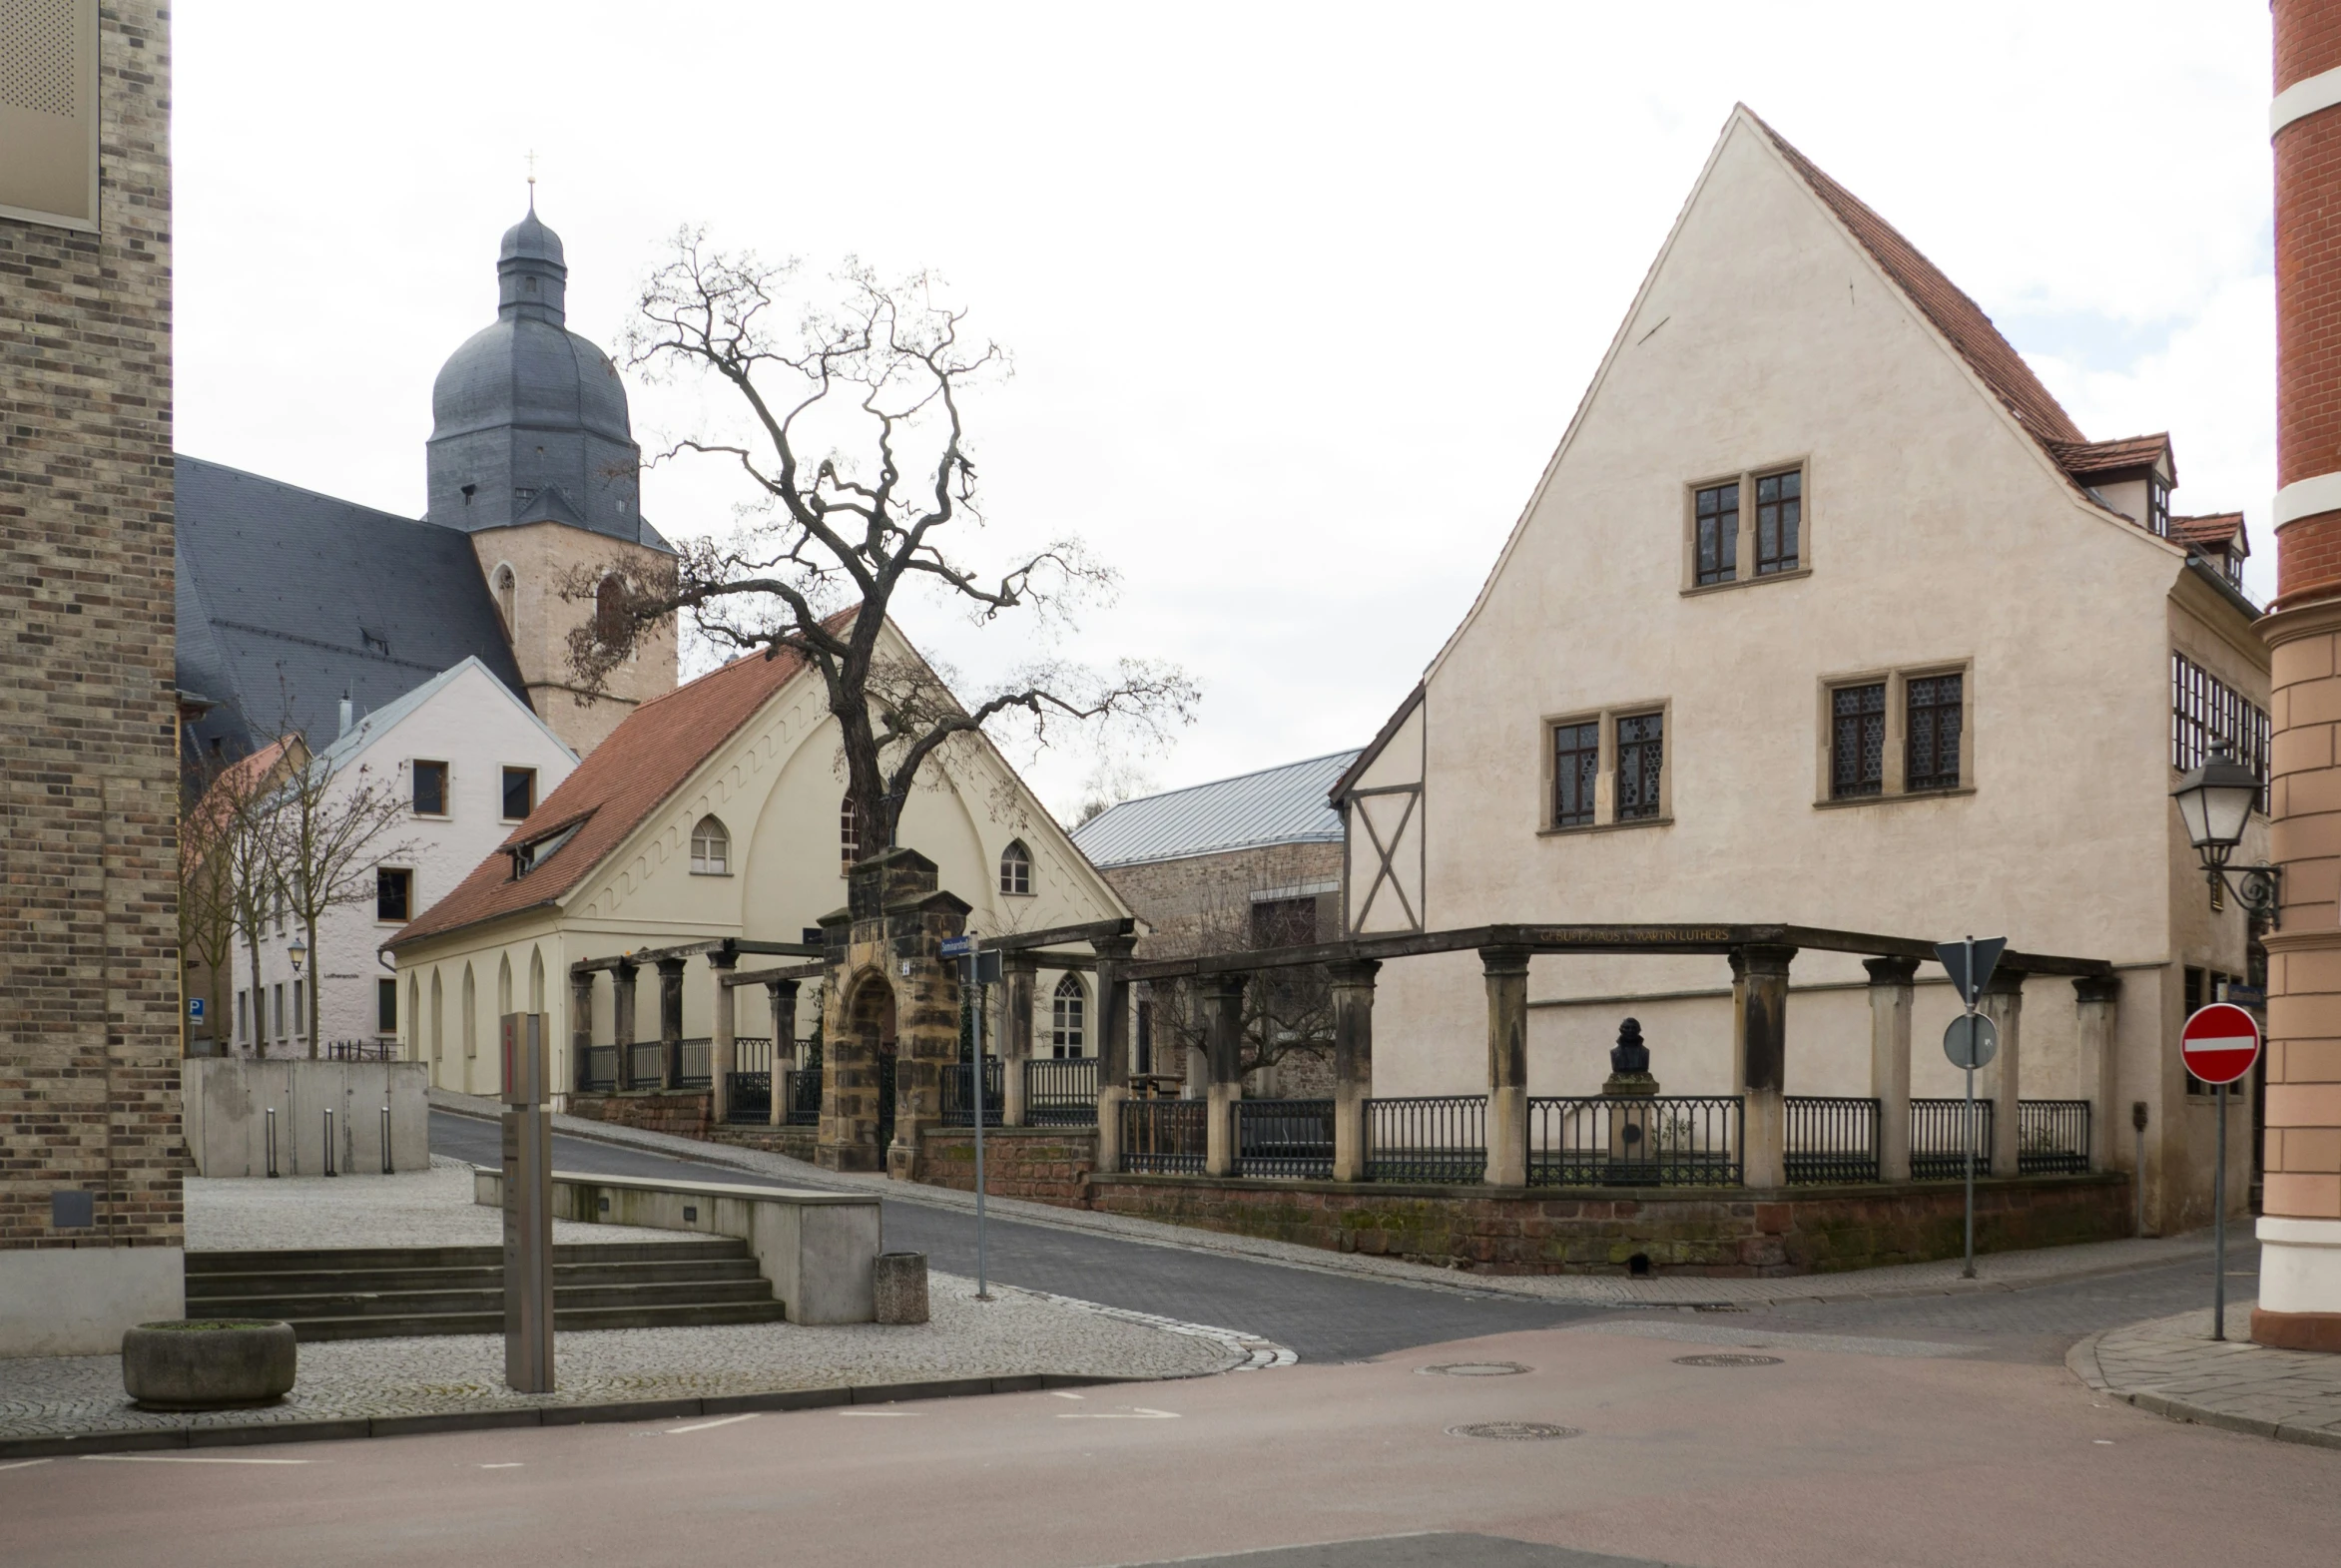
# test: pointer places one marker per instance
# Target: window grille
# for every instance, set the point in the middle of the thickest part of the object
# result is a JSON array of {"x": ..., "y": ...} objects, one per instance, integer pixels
[
  {"x": 1068, "y": 1019},
  {"x": 1577, "y": 765},
  {"x": 1717, "y": 515},
  {"x": 711, "y": 848},
  {"x": 1779, "y": 519},
  {"x": 1641, "y": 759},
  {"x": 1931, "y": 746},
  {"x": 1856, "y": 743},
  {"x": 2205, "y": 711},
  {"x": 1017, "y": 869}
]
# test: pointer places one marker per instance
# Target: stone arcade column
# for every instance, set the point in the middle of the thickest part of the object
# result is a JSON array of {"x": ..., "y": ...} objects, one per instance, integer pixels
[
  {"x": 1352, "y": 1064},
  {"x": 670, "y": 1023},
  {"x": 2097, "y": 999},
  {"x": 783, "y": 996},
  {"x": 1019, "y": 972},
  {"x": 580, "y": 1026},
  {"x": 1889, "y": 1005},
  {"x": 1223, "y": 1000},
  {"x": 622, "y": 1022},
  {"x": 2300, "y": 1225},
  {"x": 1113, "y": 1056},
  {"x": 2002, "y": 1083},
  {"x": 1507, "y": 971},
  {"x": 896, "y": 921},
  {"x": 1759, "y": 1043},
  {"x": 723, "y": 1051}
]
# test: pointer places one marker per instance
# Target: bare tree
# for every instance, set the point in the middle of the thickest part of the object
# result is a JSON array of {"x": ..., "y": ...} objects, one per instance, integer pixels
[
  {"x": 331, "y": 825},
  {"x": 1285, "y": 1010},
  {"x": 243, "y": 800},
  {"x": 1113, "y": 781},
  {"x": 206, "y": 906},
  {"x": 859, "y": 477}
]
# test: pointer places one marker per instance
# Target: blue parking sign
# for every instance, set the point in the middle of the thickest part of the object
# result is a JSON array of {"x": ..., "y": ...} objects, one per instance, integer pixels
[{"x": 195, "y": 1009}]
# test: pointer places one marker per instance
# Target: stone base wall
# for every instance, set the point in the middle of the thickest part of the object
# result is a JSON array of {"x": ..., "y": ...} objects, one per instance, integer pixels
[
  {"x": 1677, "y": 1232},
  {"x": 684, "y": 1113},
  {"x": 795, "y": 1142},
  {"x": 1051, "y": 1165}
]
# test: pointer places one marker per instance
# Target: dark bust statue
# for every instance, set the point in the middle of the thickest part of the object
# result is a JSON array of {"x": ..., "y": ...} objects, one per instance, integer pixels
[{"x": 1630, "y": 1056}]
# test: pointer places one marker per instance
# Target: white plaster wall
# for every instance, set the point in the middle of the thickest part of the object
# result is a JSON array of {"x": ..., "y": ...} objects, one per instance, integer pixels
[{"x": 476, "y": 726}]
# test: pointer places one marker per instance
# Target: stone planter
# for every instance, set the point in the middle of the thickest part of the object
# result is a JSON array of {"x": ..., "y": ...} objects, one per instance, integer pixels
[{"x": 208, "y": 1364}]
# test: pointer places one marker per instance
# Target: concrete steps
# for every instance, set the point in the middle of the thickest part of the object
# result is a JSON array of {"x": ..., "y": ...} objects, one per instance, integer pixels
[{"x": 382, "y": 1293}]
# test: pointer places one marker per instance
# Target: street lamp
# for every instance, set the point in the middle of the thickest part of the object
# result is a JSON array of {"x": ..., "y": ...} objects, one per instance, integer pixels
[
  {"x": 297, "y": 952},
  {"x": 2215, "y": 801}
]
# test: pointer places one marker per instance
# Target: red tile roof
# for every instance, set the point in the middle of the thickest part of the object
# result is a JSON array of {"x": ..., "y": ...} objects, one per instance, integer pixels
[
  {"x": 620, "y": 782},
  {"x": 2085, "y": 459},
  {"x": 2216, "y": 530},
  {"x": 1953, "y": 314}
]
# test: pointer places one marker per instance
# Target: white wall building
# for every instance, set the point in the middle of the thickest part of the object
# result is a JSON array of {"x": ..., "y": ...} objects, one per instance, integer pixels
[{"x": 471, "y": 760}]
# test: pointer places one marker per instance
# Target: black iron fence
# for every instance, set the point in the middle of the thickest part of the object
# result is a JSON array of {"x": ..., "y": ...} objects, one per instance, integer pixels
[
  {"x": 1164, "y": 1137},
  {"x": 646, "y": 1064},
  {"x": 1060, "y": 1092},
  {"x": 748, "y": 1098},
  {"x": 1939, "y": 1141},
  {"x": 1427, "y": 1138},
  {"x": 800, "y": 1097},
  {"x": 2052, "y": 1136},
  {"x": 597, "y": 1069},
  {"x": 1636, "y": 1140},
  {"x": 752, "y": 1053},
  {"x": 362, "y": 1050},
  {"x": 1830, "y": 1138},
  {"x": 697, "y": 1067},
  {"x": 1284, "y": 1138},
  {"x": 958, "y": 1093}
]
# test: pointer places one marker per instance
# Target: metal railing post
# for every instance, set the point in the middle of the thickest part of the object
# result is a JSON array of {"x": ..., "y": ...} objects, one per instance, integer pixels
[
  {"x": 330, "y": 1171},
  {"x": 389, "y": 1168},
  {"x": 271, "y": 1140}
]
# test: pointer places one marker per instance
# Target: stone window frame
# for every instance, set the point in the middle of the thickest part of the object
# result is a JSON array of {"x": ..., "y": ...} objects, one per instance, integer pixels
[
  {"x": 414, "y": 766},
  {"x": 406, "y": 871},
  {"x": 1744, "y": 574},
  {"x": 1015, "y": 871},
  {"x": 1605, "y": 720},
  {"x": 1896, "y": 761},
  {"x": 705, "y": 864},
  {"x": 505, "y": 770}
]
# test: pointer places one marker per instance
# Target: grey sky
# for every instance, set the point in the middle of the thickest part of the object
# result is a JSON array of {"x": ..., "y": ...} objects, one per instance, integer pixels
[{"x": 1301, "y": 296}]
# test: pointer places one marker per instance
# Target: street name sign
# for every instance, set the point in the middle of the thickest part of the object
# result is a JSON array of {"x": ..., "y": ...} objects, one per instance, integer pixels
[
  {"x": 958, "y": 946},
  {"x": 1971, "y": 1041},
  {"x": 2221, "y": 1042}
]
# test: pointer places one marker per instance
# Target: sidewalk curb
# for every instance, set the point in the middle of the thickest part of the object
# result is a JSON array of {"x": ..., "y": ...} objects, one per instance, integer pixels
[
  {"x": 152, "y": 1438},
  {"x": 692, "y": 1148},
  {"x": 2082, "y": 1360}
]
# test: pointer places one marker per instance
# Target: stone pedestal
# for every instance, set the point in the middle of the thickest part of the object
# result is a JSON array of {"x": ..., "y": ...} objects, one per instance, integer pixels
[{"x": 1507, "y": 971}]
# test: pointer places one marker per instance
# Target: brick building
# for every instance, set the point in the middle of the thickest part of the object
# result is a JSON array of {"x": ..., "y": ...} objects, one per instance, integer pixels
[
  {"x": 90, "y": 1147},
  {"x": 1244, "y": 862}
]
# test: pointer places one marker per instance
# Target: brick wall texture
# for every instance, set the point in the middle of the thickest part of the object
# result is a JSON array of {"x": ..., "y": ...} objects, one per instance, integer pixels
[
  {"x": 89, "y": 989},
  {"x": 2308, "y": 297}
]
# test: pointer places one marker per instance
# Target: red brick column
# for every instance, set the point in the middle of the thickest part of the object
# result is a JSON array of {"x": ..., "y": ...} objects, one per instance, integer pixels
[{"x": 2300, "y": 1232}]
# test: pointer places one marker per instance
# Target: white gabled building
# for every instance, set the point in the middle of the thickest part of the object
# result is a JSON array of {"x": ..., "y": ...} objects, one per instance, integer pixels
[
  {"x": 1824, "y": 613},
  {"x": 471, "y": 760}
]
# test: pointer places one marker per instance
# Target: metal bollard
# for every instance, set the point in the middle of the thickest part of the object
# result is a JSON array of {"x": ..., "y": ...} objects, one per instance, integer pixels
[
  {"x": 330, "y": 1171},
  {"x": 387, "y": 1167},
  {"x": 271, "y": 1130}
]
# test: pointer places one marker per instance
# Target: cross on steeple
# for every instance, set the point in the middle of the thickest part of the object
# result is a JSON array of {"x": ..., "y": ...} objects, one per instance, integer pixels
[{"x": 532, "y": 179}]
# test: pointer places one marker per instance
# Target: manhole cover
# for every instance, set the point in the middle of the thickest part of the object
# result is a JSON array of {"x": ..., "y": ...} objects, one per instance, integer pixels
[
  {"x": 1727, "y": 1361},
  {"x": 1514, "y": 1432},
  {"x": 1476, "y": 1369}
]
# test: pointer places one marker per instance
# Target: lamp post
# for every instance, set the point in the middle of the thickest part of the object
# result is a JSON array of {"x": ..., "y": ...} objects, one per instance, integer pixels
[{"x": 2216, "y": 801}]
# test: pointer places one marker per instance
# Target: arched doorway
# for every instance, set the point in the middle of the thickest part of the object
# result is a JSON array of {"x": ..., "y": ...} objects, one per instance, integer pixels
[{"x": 861, "y": 1063}]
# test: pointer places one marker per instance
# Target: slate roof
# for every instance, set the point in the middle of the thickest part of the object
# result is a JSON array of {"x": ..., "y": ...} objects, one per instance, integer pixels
[
  {"x": 1276, "y": 805},
  {"x": 621, "y": 782},
  {"x": 379, "y": 722},
  {"x": 287, "y": 599}
]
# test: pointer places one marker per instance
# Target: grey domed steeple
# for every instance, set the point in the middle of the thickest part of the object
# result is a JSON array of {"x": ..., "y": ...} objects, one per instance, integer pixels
[{"x": 529, "y": 419}]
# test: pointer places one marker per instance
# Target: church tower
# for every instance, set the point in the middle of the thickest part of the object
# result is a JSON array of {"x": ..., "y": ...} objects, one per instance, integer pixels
[{"x": 532, "y": 454}]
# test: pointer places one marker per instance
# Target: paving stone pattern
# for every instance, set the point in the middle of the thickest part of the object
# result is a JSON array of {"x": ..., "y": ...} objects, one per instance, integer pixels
[{"x": 2174, "y": 1368}]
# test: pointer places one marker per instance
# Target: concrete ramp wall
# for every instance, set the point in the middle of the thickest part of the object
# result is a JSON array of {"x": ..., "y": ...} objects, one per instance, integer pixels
[{"x": 227, "y": 1100}]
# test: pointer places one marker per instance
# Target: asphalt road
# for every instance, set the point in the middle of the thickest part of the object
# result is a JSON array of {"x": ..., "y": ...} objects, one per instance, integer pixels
[{"x": 1320, "y": 1316}]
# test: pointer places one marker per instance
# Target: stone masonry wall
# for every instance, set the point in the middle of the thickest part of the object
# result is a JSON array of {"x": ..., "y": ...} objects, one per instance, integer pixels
[
  {"x": 1049, "y": 1165},
  {"x": 684, "y": 1114},
  {"x": 89, "y": 982}
]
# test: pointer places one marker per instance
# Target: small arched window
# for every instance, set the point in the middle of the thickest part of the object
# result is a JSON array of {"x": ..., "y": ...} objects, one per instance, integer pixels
[
  {"x": 711, "y": 848},
  {"x": 849, "y": 833},
  {"x": 507, "y": 590},
  {"x": 1016, "y": 869},
  {"x": 1068, "y": 1033},
  {"x": 609, "y": 612}
]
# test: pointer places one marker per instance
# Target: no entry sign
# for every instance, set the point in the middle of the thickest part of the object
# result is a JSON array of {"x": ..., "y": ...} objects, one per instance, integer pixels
[{"x": 2219, "y": 1042}]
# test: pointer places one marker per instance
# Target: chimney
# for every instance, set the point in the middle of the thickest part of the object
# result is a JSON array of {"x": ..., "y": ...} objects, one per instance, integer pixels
[
  {"x": 2300, "y": 1234},
  {"x": 345, "y": 712}
]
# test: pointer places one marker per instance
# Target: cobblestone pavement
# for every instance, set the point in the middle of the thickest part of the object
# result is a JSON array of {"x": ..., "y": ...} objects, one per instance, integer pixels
[
  {"x": 2174, "y": 1368},
  {"x": 420, "y": 1209},
  {"x": 1016, "y": 1334}
]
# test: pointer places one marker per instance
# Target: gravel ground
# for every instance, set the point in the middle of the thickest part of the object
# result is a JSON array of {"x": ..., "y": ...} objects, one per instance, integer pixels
[
  {"x": 1018, "y": 1332},
  {"x": 425, "y": 1209}
]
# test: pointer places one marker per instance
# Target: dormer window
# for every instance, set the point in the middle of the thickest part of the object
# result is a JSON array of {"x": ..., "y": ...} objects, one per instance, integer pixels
[{"x": 2157, "y": 507}]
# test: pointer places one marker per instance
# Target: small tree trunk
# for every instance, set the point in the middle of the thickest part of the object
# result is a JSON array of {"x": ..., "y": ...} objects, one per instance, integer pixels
[{"x": 260, "y": 1002}]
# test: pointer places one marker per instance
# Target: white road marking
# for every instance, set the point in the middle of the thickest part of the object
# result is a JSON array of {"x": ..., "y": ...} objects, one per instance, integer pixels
[
  {"x": 183, "y": 1459},
  {"x": 676, "y": 1432},
  {"x": 1060, "y": 1393},
  {"x": 22, "y": 1464},
  {"x": 509, "y": 1465},
  {"x": 2102, "y": 1442},
  {"x": 877, "y": 1412},
  {"x": 1136, "y": 1412}
]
